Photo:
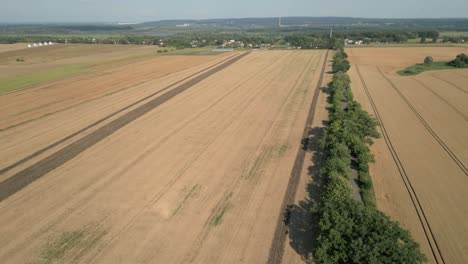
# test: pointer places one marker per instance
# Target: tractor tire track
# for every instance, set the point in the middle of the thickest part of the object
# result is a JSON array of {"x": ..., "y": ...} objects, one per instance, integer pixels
[
  {"x": 23, "y": 178},
  {"x": 275, "y": 255},
  {"x": 291, "y": 105},
  {"x": 182, "y": 171},
  {"x": 233, "y": 184},
  {"x": 450, "y": 84},
  {"x": 432, "y": 242},
  {"x": 250, "y": 168},
  {"x": 460, "y": 113},
  {"x": 447, "y": 149},
  {"x": 110, "y": 178}
]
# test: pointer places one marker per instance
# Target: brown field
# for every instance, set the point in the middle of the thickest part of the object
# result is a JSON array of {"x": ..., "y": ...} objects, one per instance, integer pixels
[
  {"x": 420, "y": 177},
  {"x": 166, "y": 159},
  {"x": 49, "y": 57},
  {"x": 11, "y": 47}
]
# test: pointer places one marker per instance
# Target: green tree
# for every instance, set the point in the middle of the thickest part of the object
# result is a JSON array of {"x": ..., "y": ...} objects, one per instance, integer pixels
[
  {"x": 428, "y": 61},
  {"x": 461, "y": 61},
  {"x": 341, "y": 65},
  {"x": 352, "y": 233}
]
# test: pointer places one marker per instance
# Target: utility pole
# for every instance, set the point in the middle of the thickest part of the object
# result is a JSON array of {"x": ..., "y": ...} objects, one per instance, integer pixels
[
  {"x": 331, "y": 32},
  {"x": 279, "y": 22}
]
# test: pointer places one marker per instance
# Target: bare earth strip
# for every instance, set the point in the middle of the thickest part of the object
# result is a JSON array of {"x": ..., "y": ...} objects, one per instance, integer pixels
[
  {"x": 198, "y": 179},
  {"x": 300, "y": 235},
  {"x": 420, "y": 173},
  {"x": 278, "y": 246}
]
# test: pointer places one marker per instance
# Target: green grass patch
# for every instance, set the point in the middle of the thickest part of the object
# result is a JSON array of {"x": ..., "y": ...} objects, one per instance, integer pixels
[
  {"x": 282, "y": 149},
  {"x": 56, "y": 250},
  {"x": 367, "y": 190},
  {"x": 9, "y": 84},
  {"x": 454, "y": 34},
  {"x": 193, "y": 192},
  {"x": 419, "y": 68},
  {"x": 71, "y": 243},
  {"x": 218, "y": 213},
  {"x": 191, "y": 51},
  {"x": 219, "y": 217},
  {"x": 415, "y": 40}
]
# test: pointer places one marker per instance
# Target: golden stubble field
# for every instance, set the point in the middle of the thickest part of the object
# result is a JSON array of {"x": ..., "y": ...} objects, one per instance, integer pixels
[
  {"x": 46, "y": 57},
  {"x": 420, "y": 177},
  {"x": 171, "y": 159}
]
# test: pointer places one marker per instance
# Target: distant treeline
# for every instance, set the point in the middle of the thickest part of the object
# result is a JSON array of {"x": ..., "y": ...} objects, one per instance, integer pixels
[
  {"x": 461, "y": 61},
  {"x": 305, "y": 40},
  {"x": 316, "y": 22}
]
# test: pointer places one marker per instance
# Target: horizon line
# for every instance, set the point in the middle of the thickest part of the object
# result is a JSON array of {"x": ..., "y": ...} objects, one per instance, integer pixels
[{"x": 226, "y": 18}]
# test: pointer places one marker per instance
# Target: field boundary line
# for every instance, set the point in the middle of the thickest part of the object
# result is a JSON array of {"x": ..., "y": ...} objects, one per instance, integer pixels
[
  {"x": 441, "y": 98},
  {"x": 23, "y": 178},
  {"x": 405, "y": 178},
  {"x": 39, "y": 152},
  {"x": 276, "y": 252},
  {"x": 426, "y": 125}
]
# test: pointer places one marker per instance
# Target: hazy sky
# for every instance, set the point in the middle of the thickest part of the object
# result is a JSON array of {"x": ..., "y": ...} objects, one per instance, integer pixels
[{"x": 149, "y": 10}]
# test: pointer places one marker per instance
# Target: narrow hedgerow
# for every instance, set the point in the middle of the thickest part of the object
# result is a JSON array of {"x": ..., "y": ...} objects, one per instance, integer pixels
[{"x": 350, "y": 231}]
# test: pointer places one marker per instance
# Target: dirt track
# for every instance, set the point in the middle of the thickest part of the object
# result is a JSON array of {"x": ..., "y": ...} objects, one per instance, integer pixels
[
  {"x": 199, "y": 178},
  {"x": 278, "y": 245},
  {"x": 420, "y": 176}
]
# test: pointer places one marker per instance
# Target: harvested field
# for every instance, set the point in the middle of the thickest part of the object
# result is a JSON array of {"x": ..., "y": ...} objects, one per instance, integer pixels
[
  {"x": 171, "y": 159},
  {"x": 420, "y": 177},
  {"x": 60, "y": 52},
  {"x": 11, "y": 47},
  {"x": 48, "y": 63}
]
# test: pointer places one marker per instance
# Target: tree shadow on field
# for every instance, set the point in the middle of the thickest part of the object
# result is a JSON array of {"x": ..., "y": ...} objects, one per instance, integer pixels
[{"x": 304, "y": 218}]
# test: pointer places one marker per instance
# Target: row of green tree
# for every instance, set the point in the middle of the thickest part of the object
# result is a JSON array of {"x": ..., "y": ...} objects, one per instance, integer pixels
[
  {"x": 350, "y": 231},
  {"x": 359, "y": 127}
]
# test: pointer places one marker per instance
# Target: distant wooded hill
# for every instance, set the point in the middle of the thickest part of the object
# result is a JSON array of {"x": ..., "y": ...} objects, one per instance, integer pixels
[{"x": 452, "y": 23}]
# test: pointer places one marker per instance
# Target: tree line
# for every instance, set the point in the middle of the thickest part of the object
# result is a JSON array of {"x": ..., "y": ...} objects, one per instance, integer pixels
[
  {"x": 350, "y": 231},
  {"x": 306, "y": 40}
]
